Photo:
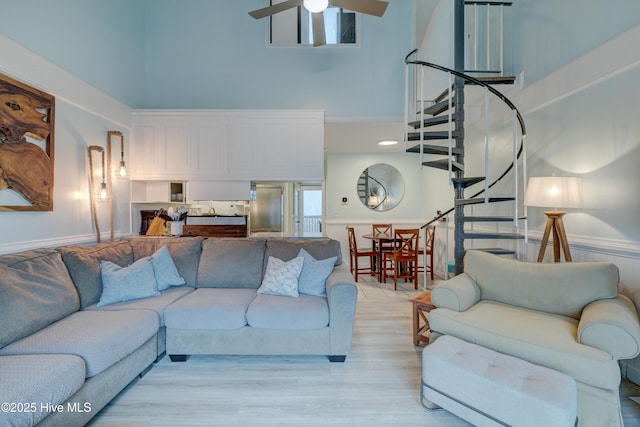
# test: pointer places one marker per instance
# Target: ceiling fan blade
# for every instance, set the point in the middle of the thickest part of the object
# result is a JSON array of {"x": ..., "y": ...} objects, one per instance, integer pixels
[
  {"x": 276, "y": 8},
  {"x": 369, "y": 7},
  {"x": 317, "y": 22}
]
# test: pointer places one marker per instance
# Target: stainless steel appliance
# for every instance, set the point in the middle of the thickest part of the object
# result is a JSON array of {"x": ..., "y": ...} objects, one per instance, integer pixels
[{"x": 266, "y": 209}]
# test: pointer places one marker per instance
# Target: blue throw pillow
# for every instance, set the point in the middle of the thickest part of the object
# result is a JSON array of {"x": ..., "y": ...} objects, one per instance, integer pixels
[
  {"x": 127, "y": 283},
  {"x": 313, "y": 278},
  {"x": 165, "y": 269}
]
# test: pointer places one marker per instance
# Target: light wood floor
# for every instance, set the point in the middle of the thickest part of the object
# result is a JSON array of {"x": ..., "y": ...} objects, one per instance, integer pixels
[{"x": 378, "y": 385}]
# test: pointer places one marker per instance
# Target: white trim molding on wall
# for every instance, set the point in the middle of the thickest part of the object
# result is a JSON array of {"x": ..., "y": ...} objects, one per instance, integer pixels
[{"x": 79, "y": 240}]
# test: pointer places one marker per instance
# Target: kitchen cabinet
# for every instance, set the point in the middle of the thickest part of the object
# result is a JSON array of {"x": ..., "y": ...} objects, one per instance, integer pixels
[
  {"x": 158, "y": 192},
  {"x": 219, "y": 190},
  {"x": 228, "y": 145}
]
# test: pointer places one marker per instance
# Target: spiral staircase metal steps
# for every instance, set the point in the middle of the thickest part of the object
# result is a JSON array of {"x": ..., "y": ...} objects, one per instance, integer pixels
[
  {"x": 489, "y": 218},
  {"x": 442, "y": 109},
  {"x": 494, "y": 80},
  {"x": 444, "y": 165},
  {"x": 431, "y": 121},
  {"x": 495, "y": 251},
  {"x": 488, "y": 235},
  {"x": 439, "y": 107},
  {"x": 467, "y": 181},
  {"x": 428, "y": 136},
  {"x": 434, "y": 149},
  {"x": 477, "y": 201}
]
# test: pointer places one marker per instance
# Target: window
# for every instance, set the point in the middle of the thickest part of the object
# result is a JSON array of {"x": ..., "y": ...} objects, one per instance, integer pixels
[{"x": 293, "y": 27}]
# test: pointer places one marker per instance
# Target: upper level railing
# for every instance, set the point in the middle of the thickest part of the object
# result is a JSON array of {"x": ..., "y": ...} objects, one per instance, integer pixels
[{"x": 485, "y": 37}]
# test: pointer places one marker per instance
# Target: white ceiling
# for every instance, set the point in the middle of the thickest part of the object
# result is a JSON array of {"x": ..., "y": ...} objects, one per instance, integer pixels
[{"x": 363, "y": 136}]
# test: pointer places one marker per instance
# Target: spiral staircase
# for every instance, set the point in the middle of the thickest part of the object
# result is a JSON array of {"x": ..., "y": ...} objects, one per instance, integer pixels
[{"x": 436, "y": 132}]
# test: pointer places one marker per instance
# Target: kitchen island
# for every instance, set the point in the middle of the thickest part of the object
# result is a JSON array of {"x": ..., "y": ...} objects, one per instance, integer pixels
[{"x": 215, "y": 226}]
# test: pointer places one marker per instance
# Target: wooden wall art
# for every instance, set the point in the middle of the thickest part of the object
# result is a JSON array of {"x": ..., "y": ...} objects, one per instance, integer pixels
[{"x": 26, "y": 144}]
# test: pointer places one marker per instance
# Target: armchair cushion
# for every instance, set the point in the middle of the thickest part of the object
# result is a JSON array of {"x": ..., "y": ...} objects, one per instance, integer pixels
[
  {"x": 458, "y": 293},
  {"x": 541, "y": 338},
  {"x": 563, "y": 289},
  {"x": 611, "y": 325}
]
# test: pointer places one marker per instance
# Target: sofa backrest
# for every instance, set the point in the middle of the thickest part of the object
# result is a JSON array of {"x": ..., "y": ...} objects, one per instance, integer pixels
[
  {"x": 83, "y": 263},
  {"x": 229, "y": 262},
  {"x": 35, "y": 291},
  {"x": 319, "y": 248},
  {"x": 185, "y": 252},
  {"x": 240, "y": 262},
  {"x": 563, "y": 289}
]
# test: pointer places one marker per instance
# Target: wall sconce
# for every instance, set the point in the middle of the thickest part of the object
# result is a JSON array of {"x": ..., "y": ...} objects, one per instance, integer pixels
[
  {"x": 122, "y": 172},
  {"x": 554, "y": 192},
  {"x": 101, "y": 195}
]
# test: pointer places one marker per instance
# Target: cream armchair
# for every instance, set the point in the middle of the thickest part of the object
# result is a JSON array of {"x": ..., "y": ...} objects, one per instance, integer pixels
[{"x": 568, "y": 317}]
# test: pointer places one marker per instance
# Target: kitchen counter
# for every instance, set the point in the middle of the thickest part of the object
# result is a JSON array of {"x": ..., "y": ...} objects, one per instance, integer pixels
[
  {"x": 216, "y": 220},
  {"x": 282, "y": 234}
]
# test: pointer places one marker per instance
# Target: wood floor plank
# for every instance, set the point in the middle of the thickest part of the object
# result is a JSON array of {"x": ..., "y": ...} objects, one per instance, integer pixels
[{"x": 377, "y": 385}]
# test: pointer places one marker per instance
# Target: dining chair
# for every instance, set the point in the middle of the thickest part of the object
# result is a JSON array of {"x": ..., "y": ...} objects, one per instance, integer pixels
[
  {"x": 355, "y": 254},
  {"x": 377, "y": 244},
  {"x": 403, "y": 260},
  {"x": 427, "y": 249}
]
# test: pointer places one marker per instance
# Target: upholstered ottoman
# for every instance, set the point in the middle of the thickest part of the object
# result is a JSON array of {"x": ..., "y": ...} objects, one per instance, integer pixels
[{"x": 488, "y": 388}]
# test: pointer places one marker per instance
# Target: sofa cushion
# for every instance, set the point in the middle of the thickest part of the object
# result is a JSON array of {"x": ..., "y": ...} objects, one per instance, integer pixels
[
  {"x": 35, "y": 291},
  {"x": 157, "y": 304},
  {"x": 319, "y": 248},
  {"x": 127, "y": 283},
  {"x": 276, "y": 312},
  {"x": 101, "y": 338},
  {"x": 210, "y": 308},
  {"x": 185, "y": 252},
  {"x": 281, "y": 277},
  {"x": 313, "y": 279},
  {"x": 83, "y": 263},
  {"x": 35, "y": 380},
  {"x": 231, "y": 263},
  {"x": 563, "y": 289},
  {"x": 541, "y": 338}
]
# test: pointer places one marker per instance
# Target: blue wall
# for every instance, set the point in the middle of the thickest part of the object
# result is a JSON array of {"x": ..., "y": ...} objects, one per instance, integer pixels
[
  {"x": 212, "y": 54},
  {"x": 101, "y": 42},
  {"x": 552, "y": 33}
]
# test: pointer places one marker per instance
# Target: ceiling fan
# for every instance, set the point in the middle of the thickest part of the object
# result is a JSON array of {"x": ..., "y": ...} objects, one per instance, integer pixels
[{"x": 317, "y": 7}]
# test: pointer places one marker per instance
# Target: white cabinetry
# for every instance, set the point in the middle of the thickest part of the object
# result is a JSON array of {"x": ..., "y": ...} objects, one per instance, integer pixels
[
  {"x": 239, "y": 145},
  {"x": 218, "y": 190}
]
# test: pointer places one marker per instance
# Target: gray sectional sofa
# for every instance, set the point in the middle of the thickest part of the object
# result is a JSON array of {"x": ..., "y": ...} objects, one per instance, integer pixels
[{"x": 67, "y": 347}]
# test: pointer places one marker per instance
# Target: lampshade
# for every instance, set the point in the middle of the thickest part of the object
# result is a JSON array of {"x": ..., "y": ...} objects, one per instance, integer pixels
[
  {"x": 315, "y": 6},
  {"x": 554, "y": 192}
]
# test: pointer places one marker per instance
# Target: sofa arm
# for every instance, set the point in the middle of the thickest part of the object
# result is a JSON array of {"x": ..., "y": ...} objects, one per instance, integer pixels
[
  {"x": 611, "y": 325},
  {"x": 342, "y": 297},
  {"x": 458, "y": 293}
]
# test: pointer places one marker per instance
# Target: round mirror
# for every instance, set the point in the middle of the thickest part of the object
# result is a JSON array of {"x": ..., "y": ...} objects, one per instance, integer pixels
[{"x": 380, "y": 187}]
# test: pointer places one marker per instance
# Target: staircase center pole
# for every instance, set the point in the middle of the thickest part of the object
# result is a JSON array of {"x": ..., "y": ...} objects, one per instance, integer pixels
[{"x": 458, "y": 54}]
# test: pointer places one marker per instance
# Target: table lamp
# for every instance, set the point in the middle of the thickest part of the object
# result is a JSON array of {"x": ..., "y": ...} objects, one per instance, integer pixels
[{"x": 554, "y": 192}]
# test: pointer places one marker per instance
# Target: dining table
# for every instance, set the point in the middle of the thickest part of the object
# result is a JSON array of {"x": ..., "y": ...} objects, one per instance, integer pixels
[{"x": 380, "y": 238}]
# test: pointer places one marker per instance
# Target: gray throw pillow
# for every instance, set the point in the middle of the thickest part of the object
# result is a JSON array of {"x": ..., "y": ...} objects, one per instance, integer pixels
[
  {"x": 313, "y": 278},
  {"x": 127, "y": 283}
]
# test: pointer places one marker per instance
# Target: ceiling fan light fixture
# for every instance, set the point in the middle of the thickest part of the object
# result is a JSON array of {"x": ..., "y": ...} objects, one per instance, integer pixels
[{"x": 315, "y": 6}]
